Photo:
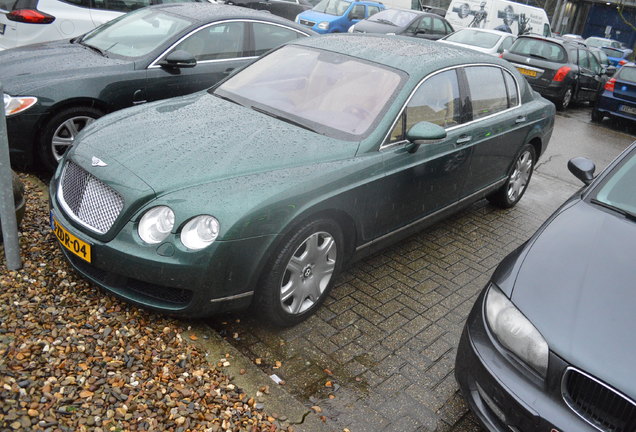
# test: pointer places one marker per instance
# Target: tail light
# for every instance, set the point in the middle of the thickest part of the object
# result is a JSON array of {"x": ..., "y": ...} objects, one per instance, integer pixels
[
  {"x": 501, "y": 55},
  {"x": 622, "y": 62},
  {"x": 561, "y": 73},
  {"x": 30, "y": 16},
  {"x": 609, "y": 86}
]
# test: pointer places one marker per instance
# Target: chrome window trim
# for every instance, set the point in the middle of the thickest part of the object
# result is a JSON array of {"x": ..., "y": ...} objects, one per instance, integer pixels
[
  {"x": 154, "y": 64},
  {"x": 574, "y": 409},
  {"x": 386, "y": 145}
]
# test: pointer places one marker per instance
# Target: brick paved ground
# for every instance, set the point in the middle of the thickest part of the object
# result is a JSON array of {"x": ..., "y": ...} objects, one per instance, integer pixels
[{"x": 389, "y": 330}]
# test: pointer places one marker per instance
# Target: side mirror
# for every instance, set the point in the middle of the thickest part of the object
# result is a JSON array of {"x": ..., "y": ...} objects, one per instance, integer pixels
[
  {"x": 179, "y": 59},
  {"x": 610, "y": 70},
  {"x": 420, "y": 31},
  {"x": 582, "y": 168},
  {"x": 421, "y": 132}
]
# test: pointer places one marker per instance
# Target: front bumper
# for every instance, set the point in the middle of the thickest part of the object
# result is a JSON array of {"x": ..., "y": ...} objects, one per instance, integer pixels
[
  {"x": 502, "y": 394},
  {"x": 166, "y": 277},
  {"x": 22, "y": 133}
]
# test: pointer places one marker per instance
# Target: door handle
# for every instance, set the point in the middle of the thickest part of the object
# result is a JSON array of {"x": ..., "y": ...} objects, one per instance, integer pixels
[
  {"x": 463, "y": 139},
  {"x": 520, "y": 119}
]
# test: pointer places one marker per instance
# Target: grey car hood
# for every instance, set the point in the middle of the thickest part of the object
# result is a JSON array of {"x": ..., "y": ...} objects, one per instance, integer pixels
[
  {"x": 30, "y": 67},
  {"x": 201, "y": 138},
  {"x": 577, "y": 285}
]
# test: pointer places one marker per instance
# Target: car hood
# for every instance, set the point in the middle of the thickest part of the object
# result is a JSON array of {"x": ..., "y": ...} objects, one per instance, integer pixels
[
  {"x": 33, "y": 66},
  {"x": 318, "y": 17},
  {"x": 377, "y": 27},
  {"x": 576, "y": 285},
  {"x": 198, "y": 139}
]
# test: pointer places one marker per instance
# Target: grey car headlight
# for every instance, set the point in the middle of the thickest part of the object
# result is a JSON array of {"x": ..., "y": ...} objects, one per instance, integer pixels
[
  {"x": 515, "y": 332},
  {"x": 200, "y": 231},
  {"x": 156, "y": 224},
  {"x": 324, "y": 25},
  {"x": 14, "y": 105}
]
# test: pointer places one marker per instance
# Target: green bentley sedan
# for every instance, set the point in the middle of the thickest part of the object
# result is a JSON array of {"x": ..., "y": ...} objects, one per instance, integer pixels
[{"x": 260, "y": 189}]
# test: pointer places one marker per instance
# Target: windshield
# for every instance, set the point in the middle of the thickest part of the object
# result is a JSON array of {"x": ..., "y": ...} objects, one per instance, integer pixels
[
  {"x": 539, "y": 48},
  {"x": 617, "y": 190},
  {"x": 333, "y": 7},
  {"x": 611, "y": 52},
  {"x": 396, "y": 17},
  {"x": 136, "y": 33},
  {"x": 330, "y": 93},
  {"x": 474, "y": 38}
]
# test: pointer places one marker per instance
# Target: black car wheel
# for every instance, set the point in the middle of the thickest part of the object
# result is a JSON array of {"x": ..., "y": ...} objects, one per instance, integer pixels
[
  {"x": 517, "y": 183},
  {"x": 597, "y": 116},
  {"x": 566, "y": 99},
  {"x": 302, "y": 273},
  {"x": 60, "y": 132}
]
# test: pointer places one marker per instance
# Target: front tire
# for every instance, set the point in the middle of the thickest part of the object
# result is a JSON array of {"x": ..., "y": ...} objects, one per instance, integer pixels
[
  {"x": 511, "y": 192},
  {"x": 60, "y": 131},
  {"x": 302, "y": 273}
]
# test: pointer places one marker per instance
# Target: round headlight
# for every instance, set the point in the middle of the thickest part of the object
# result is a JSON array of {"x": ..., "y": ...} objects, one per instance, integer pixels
[
  {"x": 156, "y": 224},
  {"x": 199, "y": 232},
  {"x": 324, "y": 25}
]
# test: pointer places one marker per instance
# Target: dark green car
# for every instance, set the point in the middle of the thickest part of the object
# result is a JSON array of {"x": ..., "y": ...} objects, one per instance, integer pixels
[{"x": 260, "y": 189}]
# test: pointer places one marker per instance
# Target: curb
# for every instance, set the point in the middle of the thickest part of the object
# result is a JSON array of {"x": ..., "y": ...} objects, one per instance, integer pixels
[{"x": 249, "y": 377}]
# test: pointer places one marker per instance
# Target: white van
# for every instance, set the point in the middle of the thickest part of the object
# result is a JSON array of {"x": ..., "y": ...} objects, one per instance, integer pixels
[{"x": 503, "y": 15}]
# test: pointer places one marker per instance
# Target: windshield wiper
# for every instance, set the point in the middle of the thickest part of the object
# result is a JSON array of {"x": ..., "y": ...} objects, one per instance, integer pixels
[
  {"x": 94, "y": 48},
  {"x": 385, "y": 21},
  {"x": 629, "y": 215},
  {"x": 285, "y": 119}
]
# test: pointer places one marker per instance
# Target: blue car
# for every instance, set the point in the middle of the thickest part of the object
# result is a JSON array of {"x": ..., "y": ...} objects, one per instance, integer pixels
[
  {"x": 618, "y": 56},
  {"x": 618, "y": 98},
  {"x": 336, "y": 16}
]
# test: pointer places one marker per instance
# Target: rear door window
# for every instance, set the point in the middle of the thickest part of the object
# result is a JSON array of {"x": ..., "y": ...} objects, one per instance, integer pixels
[
  {"x": 268, "y": 36},
  {"x": 488, "y": 90}
]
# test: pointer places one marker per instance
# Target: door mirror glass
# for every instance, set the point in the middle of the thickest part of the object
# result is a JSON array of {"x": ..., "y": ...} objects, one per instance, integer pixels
[
  {"x": 179, "y": 59},
  {"x": 582, "y": 168}
]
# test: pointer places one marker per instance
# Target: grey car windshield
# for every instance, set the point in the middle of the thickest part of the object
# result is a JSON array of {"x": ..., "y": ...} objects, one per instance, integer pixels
[
  {"x": 328, "y": 92},
  {"x": 399, "y": 18},
  {"x": 333, "y": 7},
  {"x": 474, "y": 38},
  {"x": 136, "y": 33},
  {"x": 617, "y": 190}
]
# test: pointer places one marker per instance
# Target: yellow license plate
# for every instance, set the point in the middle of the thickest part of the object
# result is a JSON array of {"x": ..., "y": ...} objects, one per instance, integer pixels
[
  {"x": 528, "y": 72},
  {"x": 70, "y": 242}
]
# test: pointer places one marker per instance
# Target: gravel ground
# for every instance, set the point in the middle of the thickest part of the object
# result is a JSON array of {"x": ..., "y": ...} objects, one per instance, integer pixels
[{"x": 73, "y": 358}]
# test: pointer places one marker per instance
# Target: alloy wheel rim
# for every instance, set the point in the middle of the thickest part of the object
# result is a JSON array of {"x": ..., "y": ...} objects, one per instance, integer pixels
[
  {"x": 567, "y": 97},
  {"x": 520, "y": 176},
  {"x": 308, "y": 273},
  {"x": 64, "y": 135}
]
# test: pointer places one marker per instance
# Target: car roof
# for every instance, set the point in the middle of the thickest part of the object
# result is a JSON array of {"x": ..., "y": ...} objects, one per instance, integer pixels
[
  {"x": 562, "y": 42},
  {"x": 417, "y": 57},
  {"x": 205, "y": 12}
]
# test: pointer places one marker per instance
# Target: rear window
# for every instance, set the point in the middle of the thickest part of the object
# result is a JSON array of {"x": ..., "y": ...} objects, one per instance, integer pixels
[
  {"x": 627, "y": 73},
  {"x": 611, "y": 52},
  {"x": 539, "y": 48},
  {"x": 474, "y": 38}
]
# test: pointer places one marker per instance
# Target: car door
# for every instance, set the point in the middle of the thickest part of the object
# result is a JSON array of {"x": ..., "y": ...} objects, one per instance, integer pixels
[
  {"x": 218, "y": 48},
  {"x": 499, "y": 125},
  {"x": 590, "y": 77},
  {"x": 423, "y": 182}
]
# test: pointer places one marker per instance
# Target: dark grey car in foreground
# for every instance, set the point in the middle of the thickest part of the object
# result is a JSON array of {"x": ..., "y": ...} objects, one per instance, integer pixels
[{"x": 549, "y": 344}]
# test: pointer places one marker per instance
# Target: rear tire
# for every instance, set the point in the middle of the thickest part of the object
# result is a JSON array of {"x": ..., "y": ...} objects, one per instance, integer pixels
[
  {"x": 566, "y": 99},
  {"x": 511, "y": 192},
  {"x": 302, "y": 273},
  {"x": 60, "y": 131}
]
